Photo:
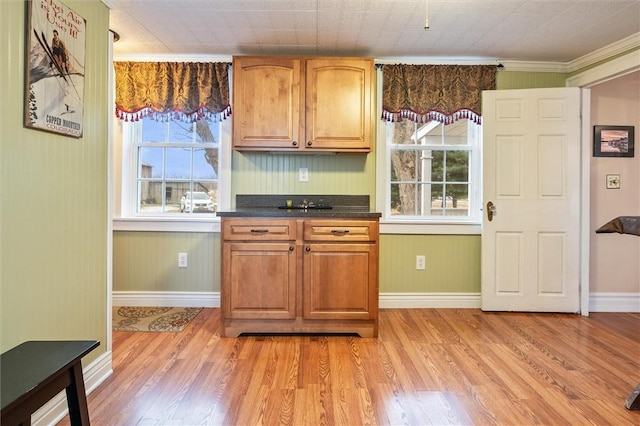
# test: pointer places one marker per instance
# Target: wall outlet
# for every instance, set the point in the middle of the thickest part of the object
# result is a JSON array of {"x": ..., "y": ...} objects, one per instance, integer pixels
[
  {"x": 303, "y": 174},
  {"x": 183, "y": 260},
  {"x": 421, "y": 262}
]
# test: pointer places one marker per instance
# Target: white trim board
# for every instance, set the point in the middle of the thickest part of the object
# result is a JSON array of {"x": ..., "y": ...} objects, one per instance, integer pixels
[
  {"x": 430, "y": 300},
  {"x": 184, "y": 299},
  {"x": 94, "y": 374},
  {"x": 614, "y": 302}
]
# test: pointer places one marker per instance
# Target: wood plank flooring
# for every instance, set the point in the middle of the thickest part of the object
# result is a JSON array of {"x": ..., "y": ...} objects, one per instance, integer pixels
[{"x": 428, "y": 366}]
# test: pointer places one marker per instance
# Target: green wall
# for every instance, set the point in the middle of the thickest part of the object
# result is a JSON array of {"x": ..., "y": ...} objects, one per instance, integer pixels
[
  {"x": 53, "y": 221},
  {"x": 148, "y": 261}
]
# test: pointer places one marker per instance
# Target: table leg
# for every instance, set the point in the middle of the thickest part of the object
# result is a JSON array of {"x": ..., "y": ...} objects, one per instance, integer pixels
[{"x": 77, "y": 398}]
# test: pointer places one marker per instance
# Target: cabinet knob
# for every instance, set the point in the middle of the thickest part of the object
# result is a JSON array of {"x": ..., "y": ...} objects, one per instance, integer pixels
[
  {"x": 294, "y": 143},
  {"x": 308, "y": 248},
  {"x": 290, "y": 248},
  {"x": 309, "y": 143}
]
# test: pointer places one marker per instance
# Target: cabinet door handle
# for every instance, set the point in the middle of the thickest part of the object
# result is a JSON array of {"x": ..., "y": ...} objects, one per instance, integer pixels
[
  {"x": 309, "y": 143},
  {"x": 259, "y": 231},
  {"x": 294, "y": 143},
  {"x": 339, "y": 231},
  {"x": 290, "y": 248},
  {"x": 308, "y": 248}
]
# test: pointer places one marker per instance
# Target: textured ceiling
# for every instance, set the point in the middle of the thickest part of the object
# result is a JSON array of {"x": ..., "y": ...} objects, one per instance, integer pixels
[{"x": 516, "y": 30}]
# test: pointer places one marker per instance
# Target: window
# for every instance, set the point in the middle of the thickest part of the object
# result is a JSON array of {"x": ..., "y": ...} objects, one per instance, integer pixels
[
  {"x": 173, "y": 160},
  {"x": 432, "y": 172},
  {"x": 161, "y": 164}
]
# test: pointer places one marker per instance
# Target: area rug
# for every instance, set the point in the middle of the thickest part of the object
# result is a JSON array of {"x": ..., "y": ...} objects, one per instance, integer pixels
[{"x": 142, "y": 318}]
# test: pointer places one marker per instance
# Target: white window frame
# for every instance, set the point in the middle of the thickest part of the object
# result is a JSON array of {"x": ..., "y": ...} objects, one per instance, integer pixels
[
  {"x": 124, "y": 172},
  {"x": 413, "y": 225}
]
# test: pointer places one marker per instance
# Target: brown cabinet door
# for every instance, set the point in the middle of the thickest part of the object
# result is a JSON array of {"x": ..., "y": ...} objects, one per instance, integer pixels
[
  {"x": 258, "y": 280},
  {"x": 340, "y": 281},
  {"x": 338, "y": 104},
  {"x": 267, "y": 96}
]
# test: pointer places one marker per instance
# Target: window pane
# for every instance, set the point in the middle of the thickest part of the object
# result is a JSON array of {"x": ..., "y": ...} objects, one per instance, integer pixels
[
  {"x": 205, "y": 161},
  {"x": 457, "y": 166},
  {"x": 403, "y": 165},
  {"x": 403, "y": 133},
  {"x": 457, "y": 196},
  {"x": 202, "y": 198},
  {"x": 178, "y": 163},
  {"x": 173, "y": 192},
  {"x": 180, "y": 132},
  {"x": 150, "y": 196},
  {"x": 207, "y": 132},
  {"x": 150, "y": 162},
  {"x": 435, "y": 165},
  {"x": 153, "y": 131},
  {"x": 403, "y": 200},
  {"x": 456, "y": 133}
]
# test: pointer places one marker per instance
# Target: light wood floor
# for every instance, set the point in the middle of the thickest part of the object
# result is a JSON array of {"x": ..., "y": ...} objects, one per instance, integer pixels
[{"x": 428, "y": 366}]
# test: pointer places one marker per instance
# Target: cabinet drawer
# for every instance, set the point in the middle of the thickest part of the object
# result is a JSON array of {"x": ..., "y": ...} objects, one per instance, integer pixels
[
  {"x": 258, "y": 230},
  {"x": 340, "y": 230}
]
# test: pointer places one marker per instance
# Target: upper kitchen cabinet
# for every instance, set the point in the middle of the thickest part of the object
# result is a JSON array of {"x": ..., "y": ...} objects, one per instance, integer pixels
[{"x": 302, "y": 104}]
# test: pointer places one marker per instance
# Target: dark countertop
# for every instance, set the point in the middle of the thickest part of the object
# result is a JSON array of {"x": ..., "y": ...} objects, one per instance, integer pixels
[{"x": 343, "y": 206}]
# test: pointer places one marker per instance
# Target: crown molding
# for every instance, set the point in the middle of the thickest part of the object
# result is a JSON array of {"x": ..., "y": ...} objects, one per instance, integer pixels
[
  {"x": 614, "y": 68},
  {"x": 606, "y": 52},
  {"x": 620, "y": 46},
  {"x": 168, "y": 57},
  {"x": 109, "y": 4},
  {"x": 532, "y": 66}
]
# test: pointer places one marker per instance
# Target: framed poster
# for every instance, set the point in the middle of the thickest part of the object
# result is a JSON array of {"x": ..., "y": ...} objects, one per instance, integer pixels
[
  {"x": 54, "y": 65},
  {"x": 613, "y": 141}
]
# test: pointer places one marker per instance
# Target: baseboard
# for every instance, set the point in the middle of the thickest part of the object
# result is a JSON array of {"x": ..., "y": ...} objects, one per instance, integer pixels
[
  {"x": 182, "y": 299},
  {"x": 430, "y": 300},
  {"x": 614, "y": 302},
  {"x": 94, "y": 374},
  {"x": 598, "y": 302}
]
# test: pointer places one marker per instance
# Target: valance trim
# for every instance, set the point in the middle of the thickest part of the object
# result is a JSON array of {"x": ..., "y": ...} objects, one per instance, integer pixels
[
  {"x": 188, "y": 117},
  {"x": 433, "y": 115}
]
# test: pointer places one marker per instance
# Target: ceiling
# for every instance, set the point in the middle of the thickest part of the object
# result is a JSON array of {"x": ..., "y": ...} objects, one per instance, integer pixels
[{"x": 500, "y": 30}]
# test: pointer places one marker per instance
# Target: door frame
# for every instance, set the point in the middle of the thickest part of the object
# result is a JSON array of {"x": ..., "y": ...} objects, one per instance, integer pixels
[{"x": 618, "y": 67}]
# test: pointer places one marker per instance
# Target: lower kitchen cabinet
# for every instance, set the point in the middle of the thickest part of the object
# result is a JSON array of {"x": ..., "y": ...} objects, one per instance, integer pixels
[
  {"x": 340, "y": 281},
  {"x": 299, "y": 276},
  {"x": 262, "y": 280}
]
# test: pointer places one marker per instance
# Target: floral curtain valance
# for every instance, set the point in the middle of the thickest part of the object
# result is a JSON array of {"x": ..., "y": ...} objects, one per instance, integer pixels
[
  {"x": 443, "y": 93},
  {"x": 185, "y": 91}
]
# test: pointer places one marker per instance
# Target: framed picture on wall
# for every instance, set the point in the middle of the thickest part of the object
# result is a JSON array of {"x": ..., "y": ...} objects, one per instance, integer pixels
[
  {"x": 613, "y": 141},
  {"x": 54, "y": 68}
]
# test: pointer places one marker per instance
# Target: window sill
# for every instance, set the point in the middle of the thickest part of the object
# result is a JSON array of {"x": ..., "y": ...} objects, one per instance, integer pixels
[
  {"x": 168, "y": 224},
  {"x": 442, "y": 228}
]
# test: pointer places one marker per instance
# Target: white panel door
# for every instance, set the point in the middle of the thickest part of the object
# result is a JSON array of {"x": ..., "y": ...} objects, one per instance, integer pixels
[{"x": 531, "y": 166}]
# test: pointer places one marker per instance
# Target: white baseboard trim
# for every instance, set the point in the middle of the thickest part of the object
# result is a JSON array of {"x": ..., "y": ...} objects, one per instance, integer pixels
[
  {"x": 614, "y": 302},
  {"x": 598, "y": 302},
  {"x": 182, "y": 299},
  {"x": 430, "y": 300},
  {"x": 212, "y": 299},
  {"x": 55, "y": 410}
]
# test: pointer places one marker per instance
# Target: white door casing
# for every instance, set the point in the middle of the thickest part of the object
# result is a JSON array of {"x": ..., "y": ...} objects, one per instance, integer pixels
[{"x": 531, "y": 166}]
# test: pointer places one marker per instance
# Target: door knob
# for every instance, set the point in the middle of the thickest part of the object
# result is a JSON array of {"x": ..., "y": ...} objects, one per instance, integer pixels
[{"x": 491, "y": 211}]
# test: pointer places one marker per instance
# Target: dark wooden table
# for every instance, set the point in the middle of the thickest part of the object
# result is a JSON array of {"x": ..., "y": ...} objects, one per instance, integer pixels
[{"x": 34, "y": 372}]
